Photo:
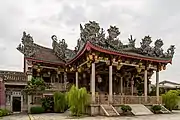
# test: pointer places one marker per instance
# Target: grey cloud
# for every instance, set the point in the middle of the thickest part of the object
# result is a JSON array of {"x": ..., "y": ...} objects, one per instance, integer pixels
[{"x": 158, "y": 18}]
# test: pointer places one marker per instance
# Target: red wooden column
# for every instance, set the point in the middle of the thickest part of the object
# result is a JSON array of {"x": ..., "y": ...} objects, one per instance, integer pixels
[{"x": 2, "y": 94}]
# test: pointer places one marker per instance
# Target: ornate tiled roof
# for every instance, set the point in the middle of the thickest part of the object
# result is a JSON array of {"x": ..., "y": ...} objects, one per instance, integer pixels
[
  {"x": 13, "y": 76},
  {"x": 93, "y": 34}
]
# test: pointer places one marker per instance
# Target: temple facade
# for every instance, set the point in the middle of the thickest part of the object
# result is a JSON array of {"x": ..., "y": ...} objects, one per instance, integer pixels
[{"x": 113, "y": 73}]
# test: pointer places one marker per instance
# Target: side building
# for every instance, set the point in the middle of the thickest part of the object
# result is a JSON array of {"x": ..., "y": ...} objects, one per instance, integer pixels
[{"x": 12, "y": 96}]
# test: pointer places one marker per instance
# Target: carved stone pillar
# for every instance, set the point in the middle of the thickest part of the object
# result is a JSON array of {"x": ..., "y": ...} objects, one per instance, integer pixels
[
  {"x": 77, "y": 79},
  {"x": 157, "y": 85},
  {"x": 93, "y": 77},
  {"x": 145, "y": 84},
  {"x": 110, "y": 84},
  {"x": 65, "y": 80}
]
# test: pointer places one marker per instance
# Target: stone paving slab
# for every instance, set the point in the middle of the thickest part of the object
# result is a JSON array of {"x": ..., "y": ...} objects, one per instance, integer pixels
[
  {"x": 53, "y": 116},
  {"x": 16, "y": 117}
]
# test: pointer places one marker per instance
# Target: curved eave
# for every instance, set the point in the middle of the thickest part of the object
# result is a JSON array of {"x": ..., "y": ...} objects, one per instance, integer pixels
[
  {"x": 91, "y": 46},
  {"x": 43, "y": 61},
  {"x": 79, "y": 53}
]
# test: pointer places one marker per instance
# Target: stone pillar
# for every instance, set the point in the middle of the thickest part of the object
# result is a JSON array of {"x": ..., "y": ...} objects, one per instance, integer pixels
[
  {"x": 121, "y": 82},
  {"x": 145, "y": 84},
  {"x": 110, "y": 84},
  {"x": 93, "y": 77},
  {"x": 77, "y": 79},
  {"x": 2, "y": 94},
  {"x": 29, "y": 77},
  {"x": 65, "y": 80},
  {"x": 132, "y": 86},
  {"x": 157, "y": 85}
]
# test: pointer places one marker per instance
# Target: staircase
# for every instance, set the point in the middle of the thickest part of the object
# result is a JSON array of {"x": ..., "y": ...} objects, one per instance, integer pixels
[
  {"x": 164, "y": 110},
  {"x": 140, "y": 109},
  {"x": 109, "y": 110}
]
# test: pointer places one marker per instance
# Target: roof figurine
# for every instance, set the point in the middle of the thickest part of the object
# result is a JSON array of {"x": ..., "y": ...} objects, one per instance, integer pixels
[
  {"x": 59, "y": 48},
  {"x": 27, "y": 46},
  {"x": 93, "y": 36}
]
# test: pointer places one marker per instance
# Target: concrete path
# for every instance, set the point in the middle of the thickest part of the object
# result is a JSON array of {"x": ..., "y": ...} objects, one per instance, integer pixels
[
  {"x": 53, "y": 116},
  {"x": 16, "y": 117}
]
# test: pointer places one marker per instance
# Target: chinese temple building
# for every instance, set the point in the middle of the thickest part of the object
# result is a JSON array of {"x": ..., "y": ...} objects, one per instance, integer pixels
[{"x": 114, "y": 73}]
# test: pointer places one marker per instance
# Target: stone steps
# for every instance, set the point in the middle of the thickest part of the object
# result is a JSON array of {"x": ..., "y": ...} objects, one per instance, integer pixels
[
  {"x": 140, "y": 109},
  {"x": 109, "y": 110}
]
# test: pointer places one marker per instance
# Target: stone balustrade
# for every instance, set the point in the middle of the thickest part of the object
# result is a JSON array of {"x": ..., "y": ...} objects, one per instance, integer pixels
[{"x": 127, "y": 99}]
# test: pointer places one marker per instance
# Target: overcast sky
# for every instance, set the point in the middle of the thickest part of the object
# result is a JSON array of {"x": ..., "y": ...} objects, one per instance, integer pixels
[{"x": 43, "y": 18}]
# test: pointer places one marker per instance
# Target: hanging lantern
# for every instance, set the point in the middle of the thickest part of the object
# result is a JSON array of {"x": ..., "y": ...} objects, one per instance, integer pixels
[
  {"x": 88, "y": 65},
  {"x": 138, "y": 69},
  {"x": 38, "y": 70},
  {"x": 90, "y": 57},
  {"x": 100, "y": 58},
  {"x": 119, "y": 61},
  {"x": 114, "y": 60},
  {"x": 79, "y": 70},
  {"x": 107, "y": 62},
  {"x": 99, "y": 79},
  {"x": 160, "y": 67},
  {"x": 140, "y": 64},
  {"x": 58, "y": 72},
  {"x": 96, "y": 57},
  {"x": 119, "y": 66},
  {"x": 106, "y": 59},
  {"x": 164, "y": 67},
  {"x": 127, "y": 62},
  {"x": 87, "y": 58},
  {"x": 84, "y": 75}
]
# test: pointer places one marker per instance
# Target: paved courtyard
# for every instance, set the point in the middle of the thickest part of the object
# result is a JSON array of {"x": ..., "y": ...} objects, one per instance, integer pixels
[{"x": 52, "y": 116}]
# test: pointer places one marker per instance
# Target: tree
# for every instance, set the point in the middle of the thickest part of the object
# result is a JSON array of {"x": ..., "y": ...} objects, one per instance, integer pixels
[
  {"x": 170, "y": 99},
  {"x": 78, "y": 100},
  {"x": 60, "y": 102},
  {"x": 34, "y": 86}
]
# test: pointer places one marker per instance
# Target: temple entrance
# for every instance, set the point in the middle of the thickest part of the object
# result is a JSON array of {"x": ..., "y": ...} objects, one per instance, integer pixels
[{"x": 16, "y": 104}]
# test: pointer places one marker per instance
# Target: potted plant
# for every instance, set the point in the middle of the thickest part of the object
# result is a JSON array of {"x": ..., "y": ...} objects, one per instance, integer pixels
[
  {"x": 156, "y": 109},
  {"x": 126, "y": 109}
]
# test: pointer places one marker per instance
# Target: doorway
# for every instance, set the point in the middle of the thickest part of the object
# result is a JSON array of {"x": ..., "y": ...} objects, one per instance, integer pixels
[{"x": 16, "y": 104}]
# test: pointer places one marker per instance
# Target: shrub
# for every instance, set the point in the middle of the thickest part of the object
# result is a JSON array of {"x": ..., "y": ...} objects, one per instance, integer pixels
[
  {"x": 156, "y": 108},
  {"x": 126, "y": 108},
  {"x": 170, "y": 99},
  {"x": 77, "y": 100},
  {"x": 60, "y": 102},
  {"x": 37, "y": 110},
  {"x": 48, "y": 104},
  {"x": 1, "y": 113},
  {"x": 4, "y": 112}
]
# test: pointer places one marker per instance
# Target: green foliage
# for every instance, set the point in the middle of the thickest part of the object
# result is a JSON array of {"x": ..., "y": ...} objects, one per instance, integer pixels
[
  {"x": 36, "y": 84},
  {"x": 78, "y": 100},
  {"x": 153, "y": 91},
  {"x": 4, "y": 112},
  {"x": 1, "y": 113},
  {"x": 37, "y": 110},
  {"x": 170, "y": 99},
  {"x": 156, "y": 108},
  {"x": 60, "y": 102},
  {"x": 126, "y": 108},
  {"x": 47, "y": 104}
]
